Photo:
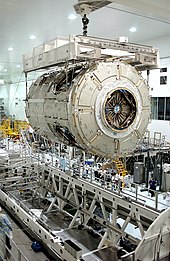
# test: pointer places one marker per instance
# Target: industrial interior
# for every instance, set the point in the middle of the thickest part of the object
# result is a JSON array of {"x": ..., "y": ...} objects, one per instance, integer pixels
[{"x": 85, "y": 130}]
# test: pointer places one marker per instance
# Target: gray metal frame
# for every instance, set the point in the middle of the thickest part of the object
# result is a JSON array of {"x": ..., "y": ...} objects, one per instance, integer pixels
[{"x": 85, "y": 197}]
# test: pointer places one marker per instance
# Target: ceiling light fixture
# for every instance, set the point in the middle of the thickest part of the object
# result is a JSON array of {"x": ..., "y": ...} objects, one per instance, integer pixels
[
  {"x": 32, "y": 37},
  {"x": 10, "y": 49},
  {"x": 133, "y": 29},
  {"x": 72, "y": 17},
  {"x": 18, "y": 65},
  {"x": 5, "y": 70}
]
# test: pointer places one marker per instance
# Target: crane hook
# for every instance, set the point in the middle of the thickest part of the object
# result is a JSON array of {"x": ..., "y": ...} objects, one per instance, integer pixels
[{"x": 85, "y": 22}]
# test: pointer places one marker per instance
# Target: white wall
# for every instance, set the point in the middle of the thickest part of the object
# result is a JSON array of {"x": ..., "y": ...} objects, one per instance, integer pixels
[
  {"x": 157, "y": 90},
  {"x": 4, "y": 93},
  {"x": 17, "y": 95},
  {"x": 160, "y": 126}
]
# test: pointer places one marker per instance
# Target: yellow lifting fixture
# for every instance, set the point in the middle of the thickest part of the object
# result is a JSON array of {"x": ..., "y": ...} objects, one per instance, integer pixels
[{"x": 12, "y": 128}]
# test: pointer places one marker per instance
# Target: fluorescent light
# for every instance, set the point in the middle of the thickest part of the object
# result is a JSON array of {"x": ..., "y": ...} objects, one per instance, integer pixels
[
  {"x": 72, "y": 17},
  {"x": 5, "y": 70},
  {"x": 133, "y": 29},
  {"x": 32, "y": 37},
  {"x": 10, "y": 49},
  {"x": 18, "y": 65}
]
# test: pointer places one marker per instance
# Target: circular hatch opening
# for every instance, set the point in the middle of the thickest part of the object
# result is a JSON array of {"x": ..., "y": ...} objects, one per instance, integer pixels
[{"x": 120, "y": 109}]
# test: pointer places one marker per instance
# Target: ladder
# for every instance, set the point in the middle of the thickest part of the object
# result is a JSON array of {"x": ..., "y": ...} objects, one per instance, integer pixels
[
  {"x": 121, "y": 170},
  {"x": 120, "y": 167}
]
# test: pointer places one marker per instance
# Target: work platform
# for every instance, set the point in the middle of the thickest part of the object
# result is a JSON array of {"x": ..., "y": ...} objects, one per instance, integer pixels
[{"x": 56, "y": 206}]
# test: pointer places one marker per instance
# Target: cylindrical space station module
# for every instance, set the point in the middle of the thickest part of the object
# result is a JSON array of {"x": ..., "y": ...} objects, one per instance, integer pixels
[{"x": 101, "y": 107}]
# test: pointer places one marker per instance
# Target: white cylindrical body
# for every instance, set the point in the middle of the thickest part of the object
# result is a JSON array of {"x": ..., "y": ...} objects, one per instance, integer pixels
[{"x": 104, "y": 109}]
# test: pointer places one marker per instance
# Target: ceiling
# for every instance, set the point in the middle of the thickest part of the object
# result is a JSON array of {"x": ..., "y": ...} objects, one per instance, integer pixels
[{"x": 47, "y": 19}]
